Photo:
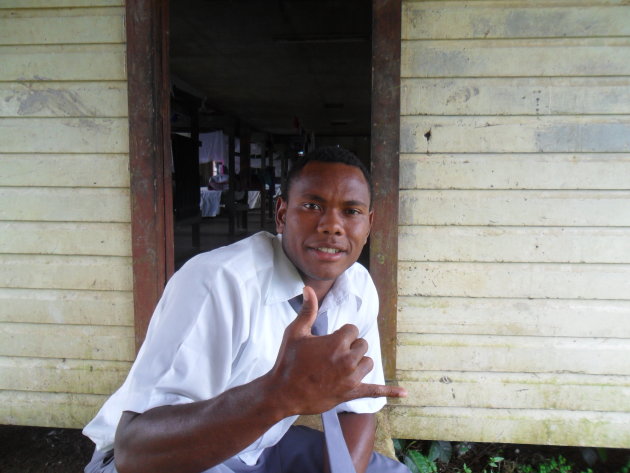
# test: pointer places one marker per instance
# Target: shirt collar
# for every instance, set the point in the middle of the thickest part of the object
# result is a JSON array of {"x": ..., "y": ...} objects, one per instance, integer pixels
[{"x": 286, "y": 282}]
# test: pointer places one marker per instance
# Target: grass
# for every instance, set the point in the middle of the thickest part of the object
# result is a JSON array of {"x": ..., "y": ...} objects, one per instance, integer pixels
[{"x": 468, "y": 457}]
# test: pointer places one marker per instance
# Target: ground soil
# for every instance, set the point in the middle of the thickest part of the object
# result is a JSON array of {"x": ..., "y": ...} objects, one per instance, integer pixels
[{"x": 43, "y": 450}]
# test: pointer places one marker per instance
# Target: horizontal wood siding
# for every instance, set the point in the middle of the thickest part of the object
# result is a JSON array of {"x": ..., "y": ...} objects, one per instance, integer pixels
[
  {"x": 514, "y": 222},
  {"x": 66, "y": 300},
  {"x": 528, "y": 426}
]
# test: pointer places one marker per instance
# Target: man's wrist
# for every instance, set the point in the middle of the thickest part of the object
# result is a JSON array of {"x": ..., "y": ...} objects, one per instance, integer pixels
[{"x": 275, "y": 401}]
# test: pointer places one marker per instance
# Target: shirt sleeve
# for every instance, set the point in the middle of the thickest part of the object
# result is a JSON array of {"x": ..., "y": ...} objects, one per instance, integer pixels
[
  {"x": 194, "y": 333},
  {"x": 189, "y": 331}
]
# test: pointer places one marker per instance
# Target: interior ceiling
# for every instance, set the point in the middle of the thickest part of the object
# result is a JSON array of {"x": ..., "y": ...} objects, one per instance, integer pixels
[{"x": 276, "y": 64}]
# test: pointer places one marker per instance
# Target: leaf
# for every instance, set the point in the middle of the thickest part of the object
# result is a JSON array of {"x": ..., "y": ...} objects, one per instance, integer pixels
[
  {"x": 418, "y": 463},
  {"x": 589, "y": 455},
  {"x": 441, "y": 451},
  {"x": 409, "y": 463},
  {"x": 462, "y": 448},
  {"x": 494, "y": 461}
]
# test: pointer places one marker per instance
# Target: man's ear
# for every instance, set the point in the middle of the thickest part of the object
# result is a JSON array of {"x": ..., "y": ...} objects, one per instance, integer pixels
[
  {"x": 371, "y": 219},
  {"x": 281, "y": 214}
]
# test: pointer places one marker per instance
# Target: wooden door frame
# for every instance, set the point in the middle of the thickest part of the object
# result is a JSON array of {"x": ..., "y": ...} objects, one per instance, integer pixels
[
  {"x": 149, "y": 156},
  {"x": 385, "y": 149},
  {"x": 149, "y": 160}
]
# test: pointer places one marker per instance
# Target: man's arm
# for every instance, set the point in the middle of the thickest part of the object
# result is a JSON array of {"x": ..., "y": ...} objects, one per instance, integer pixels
[
  {"x": 358, "y": 431},
  {"x": 311, "y": 375},
  {"x": 194, "y": 437}
]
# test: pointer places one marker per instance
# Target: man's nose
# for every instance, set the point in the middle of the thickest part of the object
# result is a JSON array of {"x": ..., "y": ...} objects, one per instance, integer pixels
[{"x": 331, "y": 223}]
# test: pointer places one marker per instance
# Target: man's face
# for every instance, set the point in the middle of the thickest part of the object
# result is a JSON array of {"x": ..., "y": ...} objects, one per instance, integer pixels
[{"x": 325, "y": 222}]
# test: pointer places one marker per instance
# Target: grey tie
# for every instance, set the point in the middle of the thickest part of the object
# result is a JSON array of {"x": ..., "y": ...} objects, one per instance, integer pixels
[{"x": 338, "y": 454}]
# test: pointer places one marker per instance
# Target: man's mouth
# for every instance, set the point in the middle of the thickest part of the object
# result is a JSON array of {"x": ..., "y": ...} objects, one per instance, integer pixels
[{"x": 329, "y": 250}]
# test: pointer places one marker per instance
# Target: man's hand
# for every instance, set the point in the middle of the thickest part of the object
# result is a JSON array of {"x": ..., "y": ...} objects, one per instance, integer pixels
[{"x": 313, "y": 374}]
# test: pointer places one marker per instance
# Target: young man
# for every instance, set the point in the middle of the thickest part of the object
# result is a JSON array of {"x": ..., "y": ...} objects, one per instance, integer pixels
[{"x": 227, "y": 365}]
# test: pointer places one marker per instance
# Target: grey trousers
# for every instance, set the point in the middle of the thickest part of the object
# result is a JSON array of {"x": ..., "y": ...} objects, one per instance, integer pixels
[{"x": 301, "y": 450}]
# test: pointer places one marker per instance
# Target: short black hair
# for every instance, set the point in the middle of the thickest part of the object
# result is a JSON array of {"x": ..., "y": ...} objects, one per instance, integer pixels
[{"x": 326, "y": 154}]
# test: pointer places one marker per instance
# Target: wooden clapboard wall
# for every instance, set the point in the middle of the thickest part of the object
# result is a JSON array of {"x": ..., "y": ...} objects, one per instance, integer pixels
[
  {"x": 66, "y": 306},
  {"x": 514, "y": 236}
]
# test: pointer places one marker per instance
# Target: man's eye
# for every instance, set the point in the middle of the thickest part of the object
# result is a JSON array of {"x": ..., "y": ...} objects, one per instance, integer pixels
[
  {"x": 311, "y": 206},
  {"x": 353, "y": 211}
]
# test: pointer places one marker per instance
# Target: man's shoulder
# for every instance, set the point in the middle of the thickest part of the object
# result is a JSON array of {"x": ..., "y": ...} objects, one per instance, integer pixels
[
  {"x": 359, "y": 279},
  {"x": 242, "y": 259},
  {"x": 358, "y": 272}
]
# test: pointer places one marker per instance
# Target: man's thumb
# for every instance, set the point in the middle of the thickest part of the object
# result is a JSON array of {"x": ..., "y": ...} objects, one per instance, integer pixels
[{"x": 308, "y": 313}]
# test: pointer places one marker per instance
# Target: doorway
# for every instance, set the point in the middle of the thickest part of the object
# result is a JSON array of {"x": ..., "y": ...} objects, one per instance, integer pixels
[
  {"x": 278, "y": 79},
  {"x": 150, "y": 160}
]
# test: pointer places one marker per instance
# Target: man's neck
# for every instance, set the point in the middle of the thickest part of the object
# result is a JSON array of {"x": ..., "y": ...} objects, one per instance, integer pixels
[{"x": 321, "y": 288}]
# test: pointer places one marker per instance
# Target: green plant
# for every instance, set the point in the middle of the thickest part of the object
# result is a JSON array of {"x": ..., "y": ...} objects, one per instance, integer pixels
[
  {"x": 419, "y": 463},
  {"x": 493, "y": 464},
  {"x": 440, "y": 451},
  {"x": 557, "y": 464},
  {"x": 626, "y": 467}
]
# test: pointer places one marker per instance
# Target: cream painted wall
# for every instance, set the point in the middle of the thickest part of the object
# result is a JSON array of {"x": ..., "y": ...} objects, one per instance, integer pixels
[
  {"x": 514, "y": 261},
  {"x": 66, "y": 305}
]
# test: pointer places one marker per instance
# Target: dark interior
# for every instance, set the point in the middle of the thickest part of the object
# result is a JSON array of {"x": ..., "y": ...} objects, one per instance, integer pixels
[{"x": 278, "y": 78}]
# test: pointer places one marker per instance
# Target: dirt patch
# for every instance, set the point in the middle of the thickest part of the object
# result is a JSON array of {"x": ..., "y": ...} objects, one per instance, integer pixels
[{"x": 43, "y": 450}]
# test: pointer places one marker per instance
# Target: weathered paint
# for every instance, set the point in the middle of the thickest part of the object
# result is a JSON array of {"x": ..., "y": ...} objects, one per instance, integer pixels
[
  {"x": 517, "y": 207},
  {"x": 515, "y": 390},
  {"x": 515, "y": 19},
  {"x": 69, "y": 170},
  {"x": 514, "y": 274},
  {"x": 66, "y": 238},
  {"x": 66, "y": 300},
  {"x": 64, "y": 135},
  {"x": 106, "y": 343},
  {"x": 513, "y": 354},
  {"x": 70, "y": 26},
  {"x": 104, "y": 273},
  {"x": 515, "y": 171},
  {"x": 63, "y": 62},
  {"x": 520, "y": 96},
  {"x": 516, "y": 57},
  {"x": 65, "y": 99},
  {"x": 535, "y": 280},
  {"x": 529, "y": 426},
  {"x": 59, "y": 204},
  {"x": 515, "y": 134},
  {"x": 18, "y": 4},
  {"x": 48, "y": 409},
  {"x": 513, "y": 244},
  {"x": 65, "y": 306},
  {"x": 514, "y": 316},
  {"x": 62, "y": 375}
]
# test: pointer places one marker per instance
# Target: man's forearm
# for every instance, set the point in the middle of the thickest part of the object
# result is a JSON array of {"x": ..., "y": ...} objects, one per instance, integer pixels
[{"x": 194, "y": 437}]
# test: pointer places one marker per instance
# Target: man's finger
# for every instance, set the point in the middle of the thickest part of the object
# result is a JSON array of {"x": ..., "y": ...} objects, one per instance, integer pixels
[
  {"x": 308, "y": 313},
  {"x": 378, "y": 390}
]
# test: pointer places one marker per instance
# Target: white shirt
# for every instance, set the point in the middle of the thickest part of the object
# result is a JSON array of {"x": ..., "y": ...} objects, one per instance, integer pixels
[{"x": 219, "y": 324}]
